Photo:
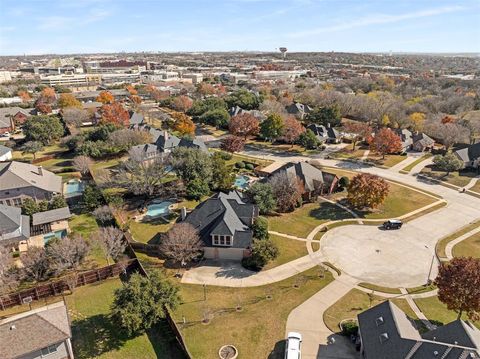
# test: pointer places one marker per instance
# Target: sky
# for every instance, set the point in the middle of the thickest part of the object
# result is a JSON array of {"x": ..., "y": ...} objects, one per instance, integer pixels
[{"x": 86, "y": 26}]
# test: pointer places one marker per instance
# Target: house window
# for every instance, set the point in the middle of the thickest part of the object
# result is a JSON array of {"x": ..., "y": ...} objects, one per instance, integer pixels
[
  {"x": 222, "y": 240},
  {"x": 49, "y": 350},
  {"x": 228, "y": 240}
]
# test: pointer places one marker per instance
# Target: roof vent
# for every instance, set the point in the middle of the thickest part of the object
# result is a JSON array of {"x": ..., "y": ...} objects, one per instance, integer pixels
[
  {"x": 383, "y": 337},
  {"x": 435, "y": 353},
  {"x": 379, "y": 321},
  {"x": 13, "y": 327}
]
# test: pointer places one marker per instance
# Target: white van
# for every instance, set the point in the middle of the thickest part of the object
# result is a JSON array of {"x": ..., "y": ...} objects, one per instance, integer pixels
[{"x": 292, "y": 346}]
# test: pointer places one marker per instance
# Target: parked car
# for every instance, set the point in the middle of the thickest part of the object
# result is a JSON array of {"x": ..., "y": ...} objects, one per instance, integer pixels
[
  {"x": 292, "y": 346},
  {"x": 392, "y": 224}
]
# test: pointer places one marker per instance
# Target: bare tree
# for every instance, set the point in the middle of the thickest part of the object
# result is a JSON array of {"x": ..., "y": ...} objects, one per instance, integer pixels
[
  {"x": 181, "y": 243},
  {"x": 75, "y": 116},
  {"x": 126, "y": 138},
  {"x": 35, "y": 264},
  {"x": 103, "y": 214},
  {"x": 143, "y": 177},
  {"x": 68, "y": 253},
  {"x": 82, "y": 164},
  {"x": 8, "y": 272},
  {"x": 448, "y": 133},
  {"x": 272, "y": 106},
  {"x": 111, "y": 241},
  {"x": 287, "y": 191}
]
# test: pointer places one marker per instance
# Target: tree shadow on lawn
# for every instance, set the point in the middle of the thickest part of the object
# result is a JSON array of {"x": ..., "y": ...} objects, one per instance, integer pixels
[
  {"x": 95, "y": 335},
  {"x": 329, "y": 211},
  {"x": 278, "y": 351},
  {"x": 164, "y": 342}
]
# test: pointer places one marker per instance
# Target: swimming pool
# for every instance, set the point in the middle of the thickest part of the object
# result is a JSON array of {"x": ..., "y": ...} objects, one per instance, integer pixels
[
  {"x": 241, "y": 182},
  {"x": 157, "y": 209},
  {"x": 74, "y": 187},
  {"x": 57, "y": 234}
]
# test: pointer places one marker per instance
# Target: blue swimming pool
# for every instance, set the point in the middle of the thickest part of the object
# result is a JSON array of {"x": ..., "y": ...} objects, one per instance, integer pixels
[
  {"x": 241, "y": 182},
  {"x": 74, "y": 187},
  {"x": 158, "y": 209},
  {"x": 57, "y": 234}
]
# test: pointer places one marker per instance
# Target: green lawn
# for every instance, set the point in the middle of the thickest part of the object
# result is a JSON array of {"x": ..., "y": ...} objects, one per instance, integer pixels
[
  {"x": 256, "y": 330},
  {"x": 149, "y": 232},
  {"x": 289, "y": 250},
  {"x": 347, "y": 153},
  {"x": 460, "y": 179},
  {"x": 437, "y": 312},
  {"x": 304, "y": 219},
  {"x": 469, "y": 247},
  {"x": 476, "y": 187},
  {"x": 355, "y": 302},
  {"x": 413, "y": 164},
  {"x": 388, "y": 161},
  {"x": 440, "y": 248},
  {"x": 96, "y": 336}
]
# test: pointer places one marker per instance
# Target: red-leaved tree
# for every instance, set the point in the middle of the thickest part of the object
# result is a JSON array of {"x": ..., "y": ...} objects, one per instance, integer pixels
[
  {"x": 386, "y": 142},
  {"x": 105, "y": 97},
  {"x": 244, "y": 125},
  {"x": 360, "y": 131},
  {"x": 292, "y": 130},
  {"x": 458, "y": 283},
  {"x": 232, "y": 144}
]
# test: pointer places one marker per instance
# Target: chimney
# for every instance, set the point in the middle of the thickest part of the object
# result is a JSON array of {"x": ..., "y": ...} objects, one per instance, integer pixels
[
  {"x": 165, "y": 135},
  {"x": 40, "y": 170},
  {"x": 13, "y": 327},
  {"x": 328, "y": 125},
  {"x": 184, "y": 213}
]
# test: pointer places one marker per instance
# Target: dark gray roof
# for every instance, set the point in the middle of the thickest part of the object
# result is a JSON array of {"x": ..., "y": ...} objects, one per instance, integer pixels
[
  {"x": 13, "y": 225},
  {"x": 311, "y": 176},
  {"x": 387, "y": 333},
  {"x": 470, "y": 153},
  {"x": 166, "y": 141},
  {"x": 30, "y": 331},
  {"x": 423, "y": 139},
  {"x": 298, "y": 107},
  {"x": 224, "y": 214},
  {"x": 193, "y": 143},
  {"x": 324, "y": 133},
  {"x": 51, "y": 216}
]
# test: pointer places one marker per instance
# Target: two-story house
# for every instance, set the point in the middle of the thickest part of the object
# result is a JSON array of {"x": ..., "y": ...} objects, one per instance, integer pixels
[{"x": 224, "y": 222}]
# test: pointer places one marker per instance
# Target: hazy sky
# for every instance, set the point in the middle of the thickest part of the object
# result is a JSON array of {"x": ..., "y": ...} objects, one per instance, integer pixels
[{"x": 67, "y": 26}]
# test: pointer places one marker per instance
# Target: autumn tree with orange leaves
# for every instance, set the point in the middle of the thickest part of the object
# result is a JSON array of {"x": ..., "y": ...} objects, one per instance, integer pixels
[
  {"x": 114, "y": 113},
  {"x": 183, "y": 124},
  {"x": 244, "y": 125},
  {"x": 24, "y": 95},
  {"x": 105, "y": 97},
  {"x": 43, "y": 108},
  {"x": 386, "y": 142},
  {"x": 367, "y": 191},
  {"x": 47, "y": 95},
  {"x": 131, "y": 90},
  {"x": 458, "y": 286}
]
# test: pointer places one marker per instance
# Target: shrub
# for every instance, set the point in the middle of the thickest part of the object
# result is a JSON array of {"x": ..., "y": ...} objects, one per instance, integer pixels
[
  {"x": 344, "y": 182},
  {"x": 263, "y": 251},
  {"x": 349, "y": 327},
  {"x": 260, "y": 228},
  {"x": 240, "y": 164},
  {"x": 225, "y": 156},
  {"x": 250, "y": 166}
]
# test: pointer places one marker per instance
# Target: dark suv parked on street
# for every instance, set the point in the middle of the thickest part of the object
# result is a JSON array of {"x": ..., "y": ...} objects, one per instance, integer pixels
[{"x": 392, "y": 224}]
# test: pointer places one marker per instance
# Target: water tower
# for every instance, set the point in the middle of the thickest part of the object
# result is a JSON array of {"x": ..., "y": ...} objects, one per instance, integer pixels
[{"x": 283, "y": 50}]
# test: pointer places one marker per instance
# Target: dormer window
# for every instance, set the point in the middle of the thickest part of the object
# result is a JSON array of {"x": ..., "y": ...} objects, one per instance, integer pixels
[
  {"x": 379, "y": 321},
  {"x": 383, "y": 337}
]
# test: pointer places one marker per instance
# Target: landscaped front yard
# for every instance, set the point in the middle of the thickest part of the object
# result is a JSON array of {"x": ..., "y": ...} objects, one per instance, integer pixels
[
  {"x": 256, "y": 330},
  {"x": 355, "y": 302},
  {"x": 437, "y": 312},
  {"x": 443, "y": 243},
  {"x": 289, "y": 250},
  {"x": 458, "y": 178},
  {"x": 304, "y": 219},
  {"x": 469, "y": 247}
]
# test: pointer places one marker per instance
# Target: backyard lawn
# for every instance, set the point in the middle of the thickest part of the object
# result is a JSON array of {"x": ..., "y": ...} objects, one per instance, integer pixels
[
  {"x": 437, "y": 312},
  {"x": 149, "y": 232},
  {"x": 355, "y": 302},
  {"x": 289, "y": 250},
  {"x": 304, "y": 219},
  {"x": 95, "y": 336},
  {"x": 469, "y": 247},
  {"x": 258, "y": 329}
]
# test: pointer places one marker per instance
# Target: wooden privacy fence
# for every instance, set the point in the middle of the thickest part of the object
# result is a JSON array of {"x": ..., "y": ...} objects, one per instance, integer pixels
[{"x": 58, "y": 287}]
